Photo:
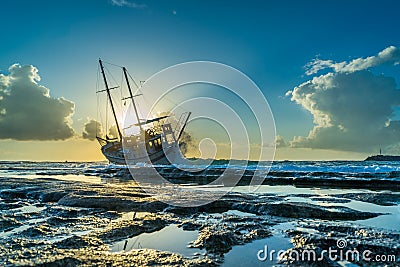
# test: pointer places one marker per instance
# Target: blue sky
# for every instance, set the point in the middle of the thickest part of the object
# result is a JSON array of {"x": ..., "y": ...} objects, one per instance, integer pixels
[{"x": 270, "y": 41}]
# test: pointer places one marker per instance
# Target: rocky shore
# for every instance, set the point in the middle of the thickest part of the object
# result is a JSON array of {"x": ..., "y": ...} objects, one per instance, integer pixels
[{"x": 49, "y": 222}]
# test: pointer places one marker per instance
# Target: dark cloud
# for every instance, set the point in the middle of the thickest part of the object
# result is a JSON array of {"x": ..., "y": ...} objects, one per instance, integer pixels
[
  {"x": 280, "y": 142},
  {"x": 28, "y": 112},
  {"x": 187, "y": 144},
  {"x": 352, "y": 111},
  {"x": 92, "y": 129}
]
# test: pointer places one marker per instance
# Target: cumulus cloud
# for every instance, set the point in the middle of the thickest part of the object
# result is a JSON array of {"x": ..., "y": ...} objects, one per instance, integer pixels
[
  {"x": 94, "y": 128},
  {"x": 113, "y": 132},
  {"x": 390, "y": 55},
  {"x": 353, "y": 109},
  {"x": 91, "y": 130},
  {"x": 28, "y": 112},
  {"x": 280, "y": 142},
  {"x": 124, "y": 3}
]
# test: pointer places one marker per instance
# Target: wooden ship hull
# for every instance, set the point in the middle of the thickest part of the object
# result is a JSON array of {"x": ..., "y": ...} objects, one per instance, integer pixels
[{"x": 116, "y": 154}]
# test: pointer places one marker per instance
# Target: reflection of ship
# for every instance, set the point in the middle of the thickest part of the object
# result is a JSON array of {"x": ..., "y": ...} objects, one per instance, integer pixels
[{"x": 156, "y": 142}]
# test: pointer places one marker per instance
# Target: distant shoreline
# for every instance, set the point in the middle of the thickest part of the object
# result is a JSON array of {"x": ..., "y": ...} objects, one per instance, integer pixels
[{"x": 383, "y": 158}]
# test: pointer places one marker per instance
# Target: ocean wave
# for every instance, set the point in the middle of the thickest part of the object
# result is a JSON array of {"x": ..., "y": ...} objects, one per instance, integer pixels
[{"x": 280, "y": 169}]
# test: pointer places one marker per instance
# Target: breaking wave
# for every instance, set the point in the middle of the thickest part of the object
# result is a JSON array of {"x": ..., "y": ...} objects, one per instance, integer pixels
[{"x": 279, "y": 169}]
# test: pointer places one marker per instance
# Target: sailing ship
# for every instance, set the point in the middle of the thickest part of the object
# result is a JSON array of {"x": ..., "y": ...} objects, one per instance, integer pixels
[{"x": 156, "y": 142}]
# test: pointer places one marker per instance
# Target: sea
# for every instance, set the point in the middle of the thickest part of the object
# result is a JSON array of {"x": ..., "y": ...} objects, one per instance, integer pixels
[
  {"x": 25, "y": 220},
  {"x": 90, "y": 171}
]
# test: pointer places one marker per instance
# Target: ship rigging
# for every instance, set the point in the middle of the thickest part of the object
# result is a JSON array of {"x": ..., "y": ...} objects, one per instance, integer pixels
[{"x": 156, "y": 141}]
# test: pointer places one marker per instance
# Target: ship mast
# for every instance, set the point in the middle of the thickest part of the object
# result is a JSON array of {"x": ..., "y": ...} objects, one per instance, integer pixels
[
  {"x": 133, "y": 100},
  {"x": 109, "y": 98}
]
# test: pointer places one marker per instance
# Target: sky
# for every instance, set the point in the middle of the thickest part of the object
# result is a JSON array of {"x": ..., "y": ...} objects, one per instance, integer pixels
[{"x": 329, "y": 69}]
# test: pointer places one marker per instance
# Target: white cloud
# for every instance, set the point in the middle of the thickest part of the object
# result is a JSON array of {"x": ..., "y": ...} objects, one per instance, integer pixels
[
  {"x": 124, "y": 3},
  {"x": 390, "y": 55},
  {"x": 352, "y": 108},
  {"x": 316, "y": 65},
  {"x": 113, "y": 131},
  {"x": 28, "y": 112}
]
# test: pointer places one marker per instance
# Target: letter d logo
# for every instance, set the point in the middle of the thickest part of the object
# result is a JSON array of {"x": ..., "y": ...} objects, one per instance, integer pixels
[{"x": 260, "y": 253}]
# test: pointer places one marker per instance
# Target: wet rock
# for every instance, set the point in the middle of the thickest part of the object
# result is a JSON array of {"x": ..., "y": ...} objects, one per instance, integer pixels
[
  {"x": 93, "y": 201},
  {"x": 111, "y": 202},
  {"x": 256, "y": 234},
  {"x": 21, "y": 216},
  {"x": 183, "y": 211},
  {"x": 384, "y": 199},
  {"x": 217, "y": 241},
  {"x": 52, "y": 196},
  {"x": 57, "y": 221},
  {"x": 302, "y": 195},
  {"x": 306, "y": 210},
  {"x": 126, "y": 229},
  {"x": 236, "y": 219},
  {"x": 218, "y": 206},
  {"x": 70, "y": 212},
  {"x": 111, "y": 214},
  {"x": 79, "y": 242},
  {"x": 136, "y": 194},
  {"x": 330, "y": 199},
  {"x": 152, "y": 206},
  {"x": 190, "y": 226},
  {"x": 338, "y": 229},
  {"x": 37, "y": 231},
  {"x": 64, "y": 262},
  {"x": 8, "y": 223},
  {"x": 329, "y": 183},
  {"x": 246, "y": 207},
  {"x": 18, "y": 193},
  {"x": 143, "y": 257},
  {"x": 9, "y": 206}
]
